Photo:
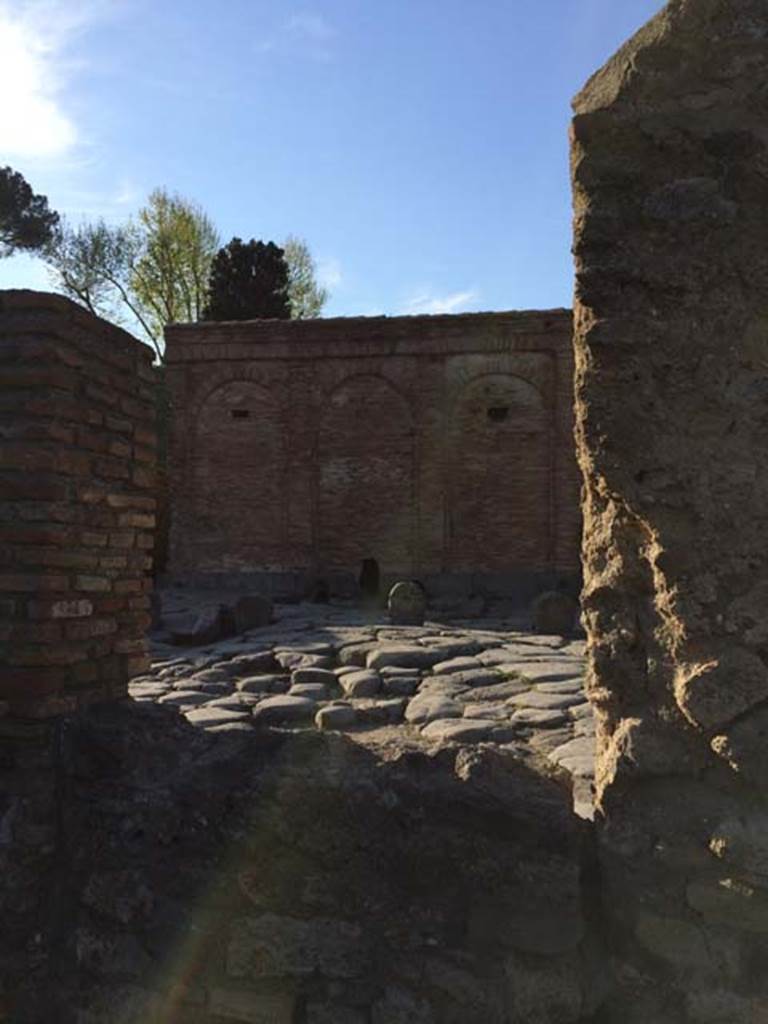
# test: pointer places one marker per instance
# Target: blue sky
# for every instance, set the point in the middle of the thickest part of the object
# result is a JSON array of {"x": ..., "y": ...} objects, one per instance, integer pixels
[{"x": 420, "y": 146}]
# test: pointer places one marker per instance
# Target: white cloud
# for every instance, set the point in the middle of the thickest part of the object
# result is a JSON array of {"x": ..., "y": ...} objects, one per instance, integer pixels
[
  {"x": 329, "y": 273},
  {"x": 34, "y": 38},
  {"x": 304, "y": 34},
  {"x": 314, "y": 26},
  {"x": 31, "y": 121},
  {"x": 127, "y": 193},
  {"x": 427, "y": 302}
]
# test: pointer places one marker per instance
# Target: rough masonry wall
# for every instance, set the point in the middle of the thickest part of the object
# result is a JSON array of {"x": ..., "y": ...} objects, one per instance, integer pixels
[
  {"x": 437, "y": 445},
  {"x": 77, "y": 457},
  {"x": 670, "y": 170}
]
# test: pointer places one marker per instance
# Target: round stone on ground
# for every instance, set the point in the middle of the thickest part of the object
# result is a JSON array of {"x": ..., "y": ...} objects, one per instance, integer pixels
[
  {"x": 380, "y": 712},
  {"x": 283, "y": 709},
  {"x": 465, "y": 730},
  {"x": 400, "y": 686},
  {"x": 262, "y": 684},
  {"x": 360, "y": 684},
  {"x": 215, "y": 716},
  {"x": 426, "y": 708},
  {"x": 403, "y": 656},
  {"x": 335, "y": 716},
  {"x": 314, "y": 675},
  {"x": 147, "y": 690},
  {"x": 185, "y": 698},
  {"x": 250, "y": 664},
  {"x": 314, "y": 691},
  {"x": 407, "y": 603}
]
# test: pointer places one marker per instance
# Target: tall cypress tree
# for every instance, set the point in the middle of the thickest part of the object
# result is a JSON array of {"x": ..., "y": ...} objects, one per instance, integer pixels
[{"x": 249, "y": 281}]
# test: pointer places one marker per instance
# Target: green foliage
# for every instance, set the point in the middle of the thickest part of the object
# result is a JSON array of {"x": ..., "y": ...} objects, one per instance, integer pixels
[
  {"x": 178, "y": 244},
  {"x": 306, "y": 297},
  {"x": 93, "y": 264},
  {"x": 249, "y": 281},
  {"x": 26, "y": 222},
  {"x": 163, "y": 267},
  {"x": 153, "y": 270}
]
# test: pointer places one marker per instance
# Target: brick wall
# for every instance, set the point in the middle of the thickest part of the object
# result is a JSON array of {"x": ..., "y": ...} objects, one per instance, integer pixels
[
  {"x": 439, "y": 445},
  {"x": 77, "y": 463}
]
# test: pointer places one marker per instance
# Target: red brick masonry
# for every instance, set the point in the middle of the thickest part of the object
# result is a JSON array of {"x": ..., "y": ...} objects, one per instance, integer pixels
[
  {"x": 77, "y": 465},
  {"x": 439, "y": 445}
]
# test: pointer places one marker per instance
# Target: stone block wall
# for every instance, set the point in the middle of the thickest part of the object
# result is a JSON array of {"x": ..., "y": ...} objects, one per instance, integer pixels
[
  {"x": 441, "y": 446},
  {"x": 670, "y": 169},
  {"x": 77, "y": 462}
]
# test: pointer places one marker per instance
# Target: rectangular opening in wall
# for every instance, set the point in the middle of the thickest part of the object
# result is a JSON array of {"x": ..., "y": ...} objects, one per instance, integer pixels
[{"x": 240, "y": 414}]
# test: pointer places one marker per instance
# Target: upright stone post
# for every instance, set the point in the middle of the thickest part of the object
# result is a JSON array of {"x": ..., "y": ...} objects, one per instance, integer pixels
[
  {"x": 670, "y": 177},
  {"x": 77, "y": 505}
]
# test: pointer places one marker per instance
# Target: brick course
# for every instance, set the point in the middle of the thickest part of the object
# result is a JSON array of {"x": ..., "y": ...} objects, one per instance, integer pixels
[
  {"x": 439, "y": 445},
  {"x": 76, "y": 413}
]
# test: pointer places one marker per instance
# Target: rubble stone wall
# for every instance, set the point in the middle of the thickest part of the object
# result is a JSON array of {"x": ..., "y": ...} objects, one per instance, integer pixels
[
  {"x": 438, "y": 445},
  {"x": 77, "y": 458},
  {"x": 181, "y": 876},
  {"x": 670, "y": 171}
]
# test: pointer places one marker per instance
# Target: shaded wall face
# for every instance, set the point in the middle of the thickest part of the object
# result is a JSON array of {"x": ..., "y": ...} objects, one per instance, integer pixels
[
  {"x": 237, "y": 471},
  {"x": 77, "y": 460},
  {"x": 366, "y": 476},
  {"x": 500, "y": 478},
  {"x": 670, "y": 170},
  {"x": 432, "y": 445}
]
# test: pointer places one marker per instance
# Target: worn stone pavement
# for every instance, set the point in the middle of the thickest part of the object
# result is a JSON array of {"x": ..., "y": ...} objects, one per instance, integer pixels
[{"x": 340, "y": 668}]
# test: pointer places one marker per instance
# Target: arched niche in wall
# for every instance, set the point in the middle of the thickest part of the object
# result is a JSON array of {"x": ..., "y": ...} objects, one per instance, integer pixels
[
  {"x": 365, "y": 466},
  {"x": 237, "y": 478},
  {"x": 498, "y": 476}
]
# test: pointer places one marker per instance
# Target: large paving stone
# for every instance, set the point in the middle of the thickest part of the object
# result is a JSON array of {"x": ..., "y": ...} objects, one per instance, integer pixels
[
  {"x": 400, "y": 686},
  {"x": 464, "y": 730},
  {"x": 283, "y": 709},
  {"x": 262, "y": 684},
  {"x": 538, "y": 718},
  {"x": 379, "y": 712},
  {"x": 314, "y": 675},
  {"x": 460, "y": 664},
  {"x": 314, "y": 691},
  {"x": 511, "y": 653},
  {"x": 425, "y": 708},
  {"x": 496, "y": 691},
  {"x": 488, "y": 709},
  {"x": 184, "y": 698},
  {"x": 445, "y": 686},
  {"x": 476, "y": 677},
  {"x": 293, "y": 660},
  {"x": 403, "y": 656},
  {"x": 571, "y": 685},
  {"x": 541, "y": 640},
  {"x": 216, "y": 716},
  {"x": 356, "y": 654},
  {"x": 452, "y": 647},
  {"x": 549, "y": 701},
  {"x": 251, "y": 663},
  {"x": 550, "y": 670},
  {"x": 336, "y": 716},
  {"x": 360, "y": 684},
  {"x": 151, "y": 690}
]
